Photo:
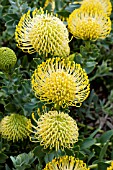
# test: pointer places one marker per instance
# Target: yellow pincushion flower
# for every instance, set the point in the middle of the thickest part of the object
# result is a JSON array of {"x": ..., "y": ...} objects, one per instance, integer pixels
[
  {"x": 15, "y": 127},
  {"x": 60, "y": 82},
  {"x": 111, "y": 167},
  {"x": 42, "y": 33},
  {"x": 66, "y": 163},
  {"x": 7, "y": 58},
  {"x": 88, "y": 25},
  {"x": 55, "y": 130},
  {"x": 97, "y": 5}
]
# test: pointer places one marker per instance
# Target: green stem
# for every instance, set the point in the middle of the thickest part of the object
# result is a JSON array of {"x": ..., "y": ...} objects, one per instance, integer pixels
[
  {"x": 87, "y": 45},
  {"x": 57, "y": 107},
  {"x": 89, "y": 127},
  {"x": 96, "y": 165},
  {"x": 93, "y": 166},
  {"x": 67, "y": 3},
  {"x": 92, "y": 78},
  {"x": 99, "y": 144}
]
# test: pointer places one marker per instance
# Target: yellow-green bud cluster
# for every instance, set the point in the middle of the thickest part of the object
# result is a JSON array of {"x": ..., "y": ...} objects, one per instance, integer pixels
[
  {"x": 15, "y": 127},
  {"x": 7, "y": 58}
]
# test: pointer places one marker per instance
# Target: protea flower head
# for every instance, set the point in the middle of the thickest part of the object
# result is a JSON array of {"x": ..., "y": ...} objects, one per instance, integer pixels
[
  {"x": 42, "y": 33},
  {"x": 88, "y": 25},
  {"x": 55, "y": 130},
  {"x": 66, "y": 163},
  {"x": 61, "y": 83},
  {"x": 111, "y": 167},
  {"x": 97, "y": 5},
  {"x": 15, "y": 127},
  {"x": 7, "y": 58}
]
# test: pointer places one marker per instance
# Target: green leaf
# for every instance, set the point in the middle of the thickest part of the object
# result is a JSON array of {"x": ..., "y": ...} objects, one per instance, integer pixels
[
  {"x": 3, "y": 157},
  {"x": 97, "y": 149},
  {"x": 23, "y": 161},
  {"x": 89, "y": 66},
  {"x": 10, "y": 107},
  {"x": 95, "y": 132},
  {"x": 63, "y": 13},
  {"x": 106, "y": 136},
  {"x": 72, "y": 7},
  {"x": 58, "y": 4},
  {"x": 69, "y": 152},
  {"x": 77, "y": 58},
  {"x": 54, "y": 154},
  {"x": 38, "y": 151},
  {"x": 87, "y": 143},
  {"x": 103, "y": 151},
  {"x": 91, "y": 155},
  {"x": 7, "y": 167},
  {"x": 49, "y": 157},
  {"x": 89, "y": 69},
  {"x": 1, "y": 167},
  {"x": 90, "y": 63},
  {"x": 102, "y": 166},
  {"x": 1, "y": 8},
  {"x": 81, "y": 155}
]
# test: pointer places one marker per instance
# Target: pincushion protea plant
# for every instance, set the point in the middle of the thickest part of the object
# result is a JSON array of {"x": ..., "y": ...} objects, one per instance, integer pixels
[
  {"x": 66, "y": 163},
  {"x": 97, "y": 5},
  {"x": 15, "y": 127},
  {"x": 55, "y": 130},
  {"x": 61, "y": 82},
  {"x": 88, "y": 25},
  {"x": 42, "y": 33}
]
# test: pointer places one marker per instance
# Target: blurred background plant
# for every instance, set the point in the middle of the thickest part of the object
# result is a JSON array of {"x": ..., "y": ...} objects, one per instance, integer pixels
[{"x": 94, "y": 118}]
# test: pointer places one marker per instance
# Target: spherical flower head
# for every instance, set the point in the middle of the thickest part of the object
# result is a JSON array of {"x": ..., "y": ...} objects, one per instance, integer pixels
[
  {"x": 15, "y": 127},
  {"x": 42, "y": 33},
  {"x": 66, "y": 163},
  {"x": 87, "y": 25},
  {"x": 60, "y": 82},
  {"x": 111, "y": 167},
  {"x": 7, "y": 58},
  {"x": 55, "y": 130},
  {"x": 97, "y": 5}
]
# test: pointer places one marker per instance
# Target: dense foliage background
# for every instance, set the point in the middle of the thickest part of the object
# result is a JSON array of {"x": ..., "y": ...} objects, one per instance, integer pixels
[{"x": 94, "y": 117}]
